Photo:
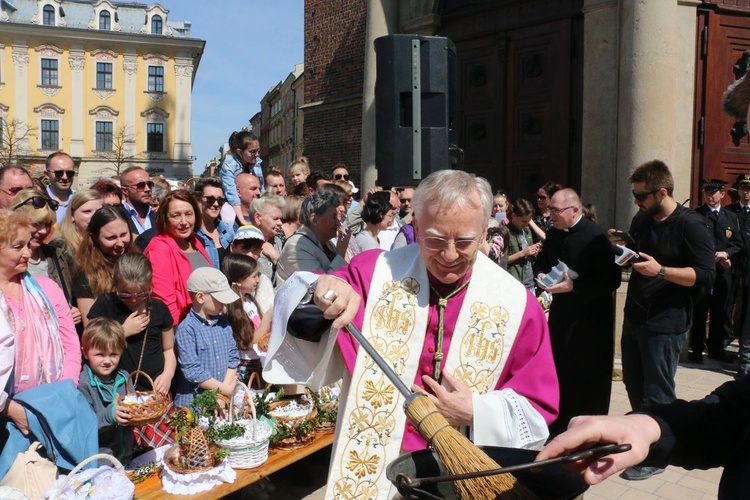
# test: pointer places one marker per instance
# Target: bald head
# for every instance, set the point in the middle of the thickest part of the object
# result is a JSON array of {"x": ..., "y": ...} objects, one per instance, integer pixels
[
  {"x": 565, "y": 208},
  {"x": 248, "y": 188}
]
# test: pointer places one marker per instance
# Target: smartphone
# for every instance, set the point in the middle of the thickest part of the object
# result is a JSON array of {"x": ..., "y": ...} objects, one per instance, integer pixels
[{"x": 625, "y": 237}]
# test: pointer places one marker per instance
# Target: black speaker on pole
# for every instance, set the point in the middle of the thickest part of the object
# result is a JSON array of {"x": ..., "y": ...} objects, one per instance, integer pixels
[{"x": 414, "y": 107}]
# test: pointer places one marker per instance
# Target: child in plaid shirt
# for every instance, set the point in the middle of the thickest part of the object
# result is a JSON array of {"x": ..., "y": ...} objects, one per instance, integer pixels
[{"x": 206, "y": 350}]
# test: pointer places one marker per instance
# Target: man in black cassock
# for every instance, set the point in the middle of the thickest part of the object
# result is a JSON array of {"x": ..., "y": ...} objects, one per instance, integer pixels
[{"x": 581, "y": 317}]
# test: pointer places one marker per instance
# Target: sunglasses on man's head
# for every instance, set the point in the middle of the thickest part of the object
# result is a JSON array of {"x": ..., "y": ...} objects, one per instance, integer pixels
[
  {"x": 210, "y": 200},
  {"x": 140, "y": 186},
  {"x": 338, "y": 177},
  {"x": 59, "y": 174},
  {"x": 39, "y": 202}
]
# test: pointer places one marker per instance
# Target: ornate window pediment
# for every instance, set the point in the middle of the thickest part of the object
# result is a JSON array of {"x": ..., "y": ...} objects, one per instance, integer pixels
[
  {"x": 149, "y": 26},
  {"x": 96, "y": 16},
  {"x": 155, "y": 115},
  {"x": 104, "y": 112},
  {"x": 49, "y": 13}
]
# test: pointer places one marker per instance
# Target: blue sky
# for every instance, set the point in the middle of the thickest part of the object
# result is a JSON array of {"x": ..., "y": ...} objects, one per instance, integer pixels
[{"x": 251, "y": 45}]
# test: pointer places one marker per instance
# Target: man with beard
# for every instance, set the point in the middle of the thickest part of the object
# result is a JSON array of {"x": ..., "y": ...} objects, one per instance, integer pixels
[
  {"x": 676, "y": 253},
  {"x": 59, "y": 170},
  {"x": 136, "y": 199}
]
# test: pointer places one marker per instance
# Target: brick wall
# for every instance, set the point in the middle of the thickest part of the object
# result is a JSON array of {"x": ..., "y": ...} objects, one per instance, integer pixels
[{"x": 334, "y": 70}]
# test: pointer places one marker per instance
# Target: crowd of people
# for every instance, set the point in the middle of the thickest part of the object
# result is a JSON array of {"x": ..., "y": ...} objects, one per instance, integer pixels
[{"x": 130, "y": 275}]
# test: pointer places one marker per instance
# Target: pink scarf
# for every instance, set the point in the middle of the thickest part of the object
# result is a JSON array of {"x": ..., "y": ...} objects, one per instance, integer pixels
[{"x": 39, "y": 352}]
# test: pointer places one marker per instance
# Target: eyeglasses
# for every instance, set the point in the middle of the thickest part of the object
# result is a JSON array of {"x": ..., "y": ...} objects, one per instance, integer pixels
[
  {"x": 341, "y": 176},
  {"x": 210, "y": 200},
  {"x": 137, "y": 295},
  {"x": 59, "y": 174},
  {"x": 437, "y": 244},
  {"x": 254, "y": 152},
  {"x": 39, "y": 202},
  {"x": 140, "y": 186},
  {"x": 557, "y": 211},
  {"x": 643, "y": 196}
]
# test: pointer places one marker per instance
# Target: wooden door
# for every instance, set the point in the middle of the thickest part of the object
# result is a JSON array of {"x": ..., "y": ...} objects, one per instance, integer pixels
[
  {"x": 516, "y": 107},
  {"x": 722, "y": 146}
]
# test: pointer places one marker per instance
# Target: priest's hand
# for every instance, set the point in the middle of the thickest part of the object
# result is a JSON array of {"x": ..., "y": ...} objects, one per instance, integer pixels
[
  {"x": 565, "y": 286},
  {"x": 337, "y": 299},
  {"x": 455, "y": 405}
]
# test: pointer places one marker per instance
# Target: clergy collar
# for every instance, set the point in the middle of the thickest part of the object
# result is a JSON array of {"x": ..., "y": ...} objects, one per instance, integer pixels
[
  {"x": 574, "y": 224},
  {"x": 444, "y": 289}
]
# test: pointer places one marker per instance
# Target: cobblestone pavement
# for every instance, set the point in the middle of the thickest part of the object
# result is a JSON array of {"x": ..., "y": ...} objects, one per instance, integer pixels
[{"x": 693, "y": 382}]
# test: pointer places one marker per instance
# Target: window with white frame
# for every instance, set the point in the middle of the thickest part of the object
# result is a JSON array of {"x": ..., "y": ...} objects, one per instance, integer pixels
[
  {"x": 105, "y": 20},
  {"x": 155, "y": 137},
  {"x": 104, "y": 136},
  {"x": 49, "y": 72},
  {"x": 48, "y": 15},
  {"x": 156, "y": 78},
  {"x": 50, "y": 135},
  {"x": 156, "y": 25},
  {"x": 103, "y": 75}
]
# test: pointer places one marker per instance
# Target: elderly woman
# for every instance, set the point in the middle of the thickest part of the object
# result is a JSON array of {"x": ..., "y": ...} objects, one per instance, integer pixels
[
  {"x": 310, "y": 248},
  {"x": 215, "y": 234},
  {"x": 38, "y": 341},
  {"x": 176, "y": 251},
  {"x": 108, "y": 237},
  {"x": 46, "y": 260}
]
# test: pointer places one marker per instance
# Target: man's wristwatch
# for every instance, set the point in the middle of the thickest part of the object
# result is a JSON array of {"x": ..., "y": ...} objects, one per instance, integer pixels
[{"x": 662, "y": 272}]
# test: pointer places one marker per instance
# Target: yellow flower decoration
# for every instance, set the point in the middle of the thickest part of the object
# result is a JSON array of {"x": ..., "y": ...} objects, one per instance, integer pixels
[
  {"x": 378, "y": 394},
  {"x": 362, "y": 465}
]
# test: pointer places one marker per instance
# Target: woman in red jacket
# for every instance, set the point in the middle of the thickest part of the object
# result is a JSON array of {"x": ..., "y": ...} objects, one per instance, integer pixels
[{"x": 175, "y": 252}]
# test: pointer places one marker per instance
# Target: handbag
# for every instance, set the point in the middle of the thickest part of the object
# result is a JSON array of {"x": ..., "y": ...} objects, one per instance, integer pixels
[{"x": 31, "y": 473}]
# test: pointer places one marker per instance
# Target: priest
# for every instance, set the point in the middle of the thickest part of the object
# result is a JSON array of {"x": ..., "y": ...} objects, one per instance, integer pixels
[{"x": 449, "y": 321}]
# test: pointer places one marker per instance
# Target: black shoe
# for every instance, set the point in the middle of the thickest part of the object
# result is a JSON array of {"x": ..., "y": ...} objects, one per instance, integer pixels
[
  {"x": 724, "y": 357},
  {"x": 639, "y": 473},
  {"x": 740, "y": 374},
  {"x": 695, "y": 358}
]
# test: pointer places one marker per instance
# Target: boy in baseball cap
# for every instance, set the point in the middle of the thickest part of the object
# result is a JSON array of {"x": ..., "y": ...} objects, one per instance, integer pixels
[
  {"x": 248, "y": 240},
  {"x": 206, "y": 350}
]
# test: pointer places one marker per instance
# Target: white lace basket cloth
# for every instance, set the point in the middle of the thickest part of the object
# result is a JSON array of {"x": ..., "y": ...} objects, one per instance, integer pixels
[
  {"x": 251, "y": 450},
  {"x": 101, "y": 483}
]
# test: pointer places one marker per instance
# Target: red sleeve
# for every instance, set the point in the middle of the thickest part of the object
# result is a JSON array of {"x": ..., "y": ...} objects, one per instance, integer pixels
[{"x": 160, "y": 255}]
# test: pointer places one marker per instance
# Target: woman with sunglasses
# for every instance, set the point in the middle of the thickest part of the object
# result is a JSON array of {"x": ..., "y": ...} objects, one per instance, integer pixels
[
  {"x": 215, "y": 234},
  {"x": 146, "y": 320},
  {"x": 45, "y": 260},
  {"x": 176, "y": 251},
  {"x": 108, "y": 238},
  {"x": 542, "y": 221}
]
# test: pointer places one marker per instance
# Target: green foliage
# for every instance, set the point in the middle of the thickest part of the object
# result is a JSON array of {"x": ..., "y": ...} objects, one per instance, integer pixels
[
  {"x": 142, "y": 472},
  {"x": 262, "y": 406}
]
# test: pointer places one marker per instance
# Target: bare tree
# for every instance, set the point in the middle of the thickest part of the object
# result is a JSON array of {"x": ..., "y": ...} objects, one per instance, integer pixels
[
  {"x": 122, "y": 152},
  {"x": 14, "y": 140}
]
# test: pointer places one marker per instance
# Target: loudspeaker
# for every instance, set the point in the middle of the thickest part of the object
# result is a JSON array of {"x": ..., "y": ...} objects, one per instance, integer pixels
[{"x": 415, "y": 79}]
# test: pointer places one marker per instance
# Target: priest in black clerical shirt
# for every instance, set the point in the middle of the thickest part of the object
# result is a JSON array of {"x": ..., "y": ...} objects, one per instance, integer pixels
[{"x": 581, "y": 317}]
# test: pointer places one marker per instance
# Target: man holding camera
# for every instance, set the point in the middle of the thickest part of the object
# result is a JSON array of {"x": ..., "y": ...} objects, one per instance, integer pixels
[{"x": 676, "y": 254}]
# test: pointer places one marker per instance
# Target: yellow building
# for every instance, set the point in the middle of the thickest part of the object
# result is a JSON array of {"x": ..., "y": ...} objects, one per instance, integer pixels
[{"x": 109, "y": 83}]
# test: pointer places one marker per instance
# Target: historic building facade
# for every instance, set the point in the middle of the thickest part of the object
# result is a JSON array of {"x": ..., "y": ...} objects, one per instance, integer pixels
[
  {"x": 109, "y": 83},
  {"x": 281, "y": 138}
]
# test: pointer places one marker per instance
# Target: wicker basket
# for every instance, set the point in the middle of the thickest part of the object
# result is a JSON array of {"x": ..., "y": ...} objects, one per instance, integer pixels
[
  {"x": 328, "y": 426},
  {"x": 200, "y": 455},
  {"x": 152, "y": 410},
  {"x": 251, "y": 450},
  {"x": 327, "y": 405},
  {"x": 292, "y": 423}
]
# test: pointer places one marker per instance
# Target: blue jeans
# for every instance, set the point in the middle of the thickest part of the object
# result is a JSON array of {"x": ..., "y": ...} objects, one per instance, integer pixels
[{"x": 649, "y": 364}]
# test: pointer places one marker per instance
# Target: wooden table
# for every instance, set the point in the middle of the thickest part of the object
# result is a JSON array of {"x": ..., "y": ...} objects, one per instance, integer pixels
[{"x": 277, "y": 459}]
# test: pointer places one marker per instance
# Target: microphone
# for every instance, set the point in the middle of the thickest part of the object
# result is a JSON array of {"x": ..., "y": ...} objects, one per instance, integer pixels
[{"x": 623, "y": 255}]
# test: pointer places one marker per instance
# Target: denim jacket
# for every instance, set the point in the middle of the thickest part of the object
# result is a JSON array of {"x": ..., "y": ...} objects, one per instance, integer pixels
[
  {"x": 228, "y": 172},
  {"x": 226, "y": 234}
]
